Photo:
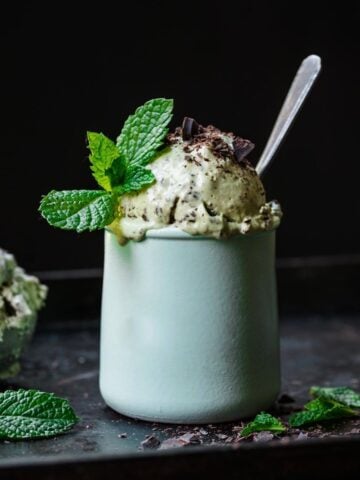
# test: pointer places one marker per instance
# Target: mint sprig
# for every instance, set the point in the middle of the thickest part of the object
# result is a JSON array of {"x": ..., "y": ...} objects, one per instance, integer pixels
[
  {"x": 320, "y": 410},
  {"x": 344, "y": 395},
  {"x": 118, "y": 168},
  {"x": 78, "y": 209},
  {"x": 261, "y": 423},
  {"x": 136, "y": 177},
  {"x": 144, "y": 132},
  {"x": 330, "y": 403},
  {"x": 33, "y": 414},
  {"x": 106, "y": 164}
]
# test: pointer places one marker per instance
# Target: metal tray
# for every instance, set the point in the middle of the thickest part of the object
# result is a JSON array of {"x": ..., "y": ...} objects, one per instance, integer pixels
[{"x": 63, "y": 358}]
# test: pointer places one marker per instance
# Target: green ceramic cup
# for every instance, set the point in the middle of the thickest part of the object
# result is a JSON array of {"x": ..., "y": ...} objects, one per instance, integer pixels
[{"x": 189, "y": 328}]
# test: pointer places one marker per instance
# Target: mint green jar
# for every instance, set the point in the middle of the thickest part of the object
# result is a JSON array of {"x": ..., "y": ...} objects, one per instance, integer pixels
[{"x": 189, "y": 328}]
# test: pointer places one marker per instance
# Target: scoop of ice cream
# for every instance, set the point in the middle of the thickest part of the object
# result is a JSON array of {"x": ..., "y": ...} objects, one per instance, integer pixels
[
  {"x": 21, "y": 296},
  {"x": 204, "y": 186}
]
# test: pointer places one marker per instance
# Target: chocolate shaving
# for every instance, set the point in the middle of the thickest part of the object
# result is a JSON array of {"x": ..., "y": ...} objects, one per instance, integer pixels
[
  {"x": 241, "y": 148},
  {"x": 150, "y": 442},
  {"x": 285, "y": 398},
  {"x": 185, "y": 440},
  {"x": 220, "y": 148},
  {"x": 189, "y": 128}
]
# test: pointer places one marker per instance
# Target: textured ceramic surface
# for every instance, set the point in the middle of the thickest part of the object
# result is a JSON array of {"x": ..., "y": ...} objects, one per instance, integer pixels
[{"x": 189, "y": 328}]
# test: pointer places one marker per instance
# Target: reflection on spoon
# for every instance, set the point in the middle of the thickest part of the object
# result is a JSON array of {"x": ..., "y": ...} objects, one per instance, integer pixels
[{"x": 300, "y": 87}]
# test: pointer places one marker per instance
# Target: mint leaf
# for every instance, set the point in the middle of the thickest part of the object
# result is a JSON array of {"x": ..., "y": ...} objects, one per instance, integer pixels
[
  {"x": 33, "y": 414},
  {"x": 136, "y": 178},
  {"x": 263, "y": 422},
  {"x": 106, "y": 164},
  {"x": 118, "y": 169},
  {"x": 79, "y": 209},
  {"x": 344, "y": 395},
  {"x": 319, "y": 410},
  {"x": 144, "y": 131}
]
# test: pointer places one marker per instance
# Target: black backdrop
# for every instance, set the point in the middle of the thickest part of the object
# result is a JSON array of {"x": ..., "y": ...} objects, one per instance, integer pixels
[{"x": 229, "y": 64}]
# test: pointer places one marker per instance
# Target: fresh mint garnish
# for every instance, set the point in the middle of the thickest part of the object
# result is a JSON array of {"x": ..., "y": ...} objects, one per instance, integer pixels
[
  {"x": 33, "y": 414},
  {"x": 106, "y": 163},
  {"x": 319, "y": 410},
  {"x": 79, "y": 209},
  {"x": 144, "y": 132},
  {"x": 263, "y": 422},
  {"x": 118, "y": 168},
  {"x": 136, "y": 177},
  {"x": 344, "y": 395}
]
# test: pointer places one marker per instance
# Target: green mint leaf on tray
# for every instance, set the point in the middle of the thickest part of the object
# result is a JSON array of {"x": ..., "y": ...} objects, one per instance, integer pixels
[
  {"x": 144, "y": 131},
  {"x": 117, "y": 168},
  {"x": 344, "y": 395},
  {"x": 79, "y": 209},
  {"x": 33, "y": 414},
  {"x": 106, "y": 163},
  {"x": 263, "y": 422},
  {"x": 320, "y": 410}
]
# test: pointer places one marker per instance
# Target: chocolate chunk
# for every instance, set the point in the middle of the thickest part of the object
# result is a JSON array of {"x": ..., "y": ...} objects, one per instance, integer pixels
[
  {"x": 190, "y": 438},
  {"x": 241, "y": 148},
  {"x": 184, "y": 440},
  {"x": 150, "y": 442},
  {"x": 285, "y": 398},
  {"x": 189, "y": 128},
  {"x": 220, "y": 148},
  {"x": 237, "y": 428}
]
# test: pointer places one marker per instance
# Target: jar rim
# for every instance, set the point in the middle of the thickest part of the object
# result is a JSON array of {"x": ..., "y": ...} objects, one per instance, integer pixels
[{"x": 175, "y": 233}]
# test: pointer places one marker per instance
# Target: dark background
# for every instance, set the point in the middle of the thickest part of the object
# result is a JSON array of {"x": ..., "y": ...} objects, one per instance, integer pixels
[{"x": 227, "y": 63}]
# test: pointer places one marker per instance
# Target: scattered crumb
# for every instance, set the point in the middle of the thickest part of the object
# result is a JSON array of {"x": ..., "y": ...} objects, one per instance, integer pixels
[
  {"x": 263, "y": 437},
  {"x": 150, "y": 442},
  {"x": 183, "y": 441},
  {"x": 285, "y": 398}
]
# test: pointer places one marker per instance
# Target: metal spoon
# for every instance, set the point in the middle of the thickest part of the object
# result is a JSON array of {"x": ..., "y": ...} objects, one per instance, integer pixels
[{"x": 300, "y": 87}]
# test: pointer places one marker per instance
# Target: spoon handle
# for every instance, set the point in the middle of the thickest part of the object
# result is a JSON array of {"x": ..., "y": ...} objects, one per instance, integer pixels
[{"x": 302, "y": 83}]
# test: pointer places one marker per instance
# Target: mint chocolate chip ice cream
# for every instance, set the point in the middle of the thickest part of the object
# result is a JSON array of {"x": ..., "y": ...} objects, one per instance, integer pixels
[
  {"x": 204, "y": 186},
  {"x": 21, "y": 296}
]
